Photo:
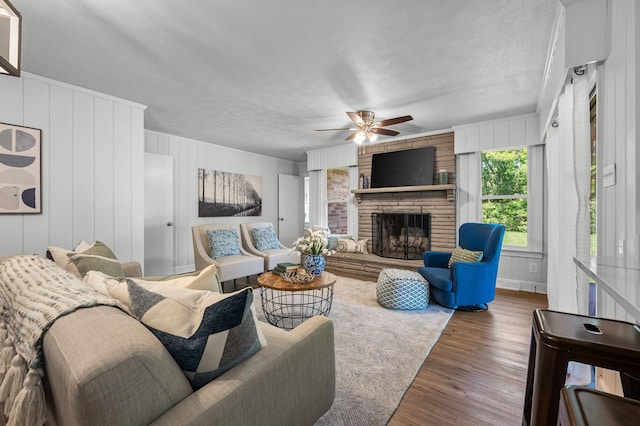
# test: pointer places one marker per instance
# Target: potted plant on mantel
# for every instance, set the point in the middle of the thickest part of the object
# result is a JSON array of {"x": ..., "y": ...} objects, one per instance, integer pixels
[{"x": 313, "y": 248}]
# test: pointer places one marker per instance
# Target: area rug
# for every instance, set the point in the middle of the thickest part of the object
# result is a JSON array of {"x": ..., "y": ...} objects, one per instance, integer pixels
[{"x": 378, "y": 352}]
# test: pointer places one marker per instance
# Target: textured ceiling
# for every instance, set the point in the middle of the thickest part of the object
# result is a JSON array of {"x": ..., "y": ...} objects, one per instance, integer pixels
[{"x": 260, "y": 76}]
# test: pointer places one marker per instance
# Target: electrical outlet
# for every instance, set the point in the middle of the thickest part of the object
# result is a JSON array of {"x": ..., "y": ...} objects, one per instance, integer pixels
[
  {"x": 620, "y": 247},
  {"x": 533, "y": 267}
]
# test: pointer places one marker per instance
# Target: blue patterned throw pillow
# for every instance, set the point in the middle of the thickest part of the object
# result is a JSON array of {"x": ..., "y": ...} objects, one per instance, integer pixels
[
  {"x": 265, "y": 238},
  {"x": 206, "y": 333},
  {"x": 223, "y": 242}
]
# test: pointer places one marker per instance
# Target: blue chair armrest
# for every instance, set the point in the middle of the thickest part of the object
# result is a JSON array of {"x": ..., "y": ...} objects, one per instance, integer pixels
[
  {"x": 436, "y": 259},
  {"x": 471, "y": 274}
]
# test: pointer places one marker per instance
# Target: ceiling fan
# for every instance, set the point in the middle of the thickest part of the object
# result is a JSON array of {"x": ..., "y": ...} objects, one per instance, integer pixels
[{"x": 367, "y": 128}]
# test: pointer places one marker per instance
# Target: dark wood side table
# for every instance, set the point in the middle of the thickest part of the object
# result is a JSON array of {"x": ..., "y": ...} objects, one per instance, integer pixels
[{"x": 287, "y": 305}]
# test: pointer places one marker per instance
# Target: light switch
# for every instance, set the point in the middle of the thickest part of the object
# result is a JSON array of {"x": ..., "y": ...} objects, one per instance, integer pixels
[{"x": 609, "y": 175}]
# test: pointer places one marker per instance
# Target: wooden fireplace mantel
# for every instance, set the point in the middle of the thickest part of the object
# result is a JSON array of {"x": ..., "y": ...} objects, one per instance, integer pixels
[{"x": 450, "y": 190}]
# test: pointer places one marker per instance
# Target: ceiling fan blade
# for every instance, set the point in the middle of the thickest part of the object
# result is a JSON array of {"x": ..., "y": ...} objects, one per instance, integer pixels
[
  {"x": 327, "y": 130},
  {"x": 396, "y": 120},
  {"x": 385, "y": 132},
  {"x": 357, "y": 120},
  {"x": 351, "y": 136}
]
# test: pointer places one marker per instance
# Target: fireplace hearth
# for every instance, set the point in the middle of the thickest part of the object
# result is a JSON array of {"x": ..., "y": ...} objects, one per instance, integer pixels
[{"x": 401, "y": 235}]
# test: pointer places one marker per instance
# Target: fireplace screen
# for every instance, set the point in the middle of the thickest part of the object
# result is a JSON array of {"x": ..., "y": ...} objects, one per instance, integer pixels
[{"x": 401, "y": 235}]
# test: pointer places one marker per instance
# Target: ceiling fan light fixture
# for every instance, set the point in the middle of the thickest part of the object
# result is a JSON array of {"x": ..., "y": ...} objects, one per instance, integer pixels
[{"x": 367, "y": 129}]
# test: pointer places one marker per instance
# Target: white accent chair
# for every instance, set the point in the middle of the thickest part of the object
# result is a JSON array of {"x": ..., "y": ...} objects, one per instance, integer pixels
[
  {"x": 272, "y": 256},
  {"x": 229, "y": 267}
]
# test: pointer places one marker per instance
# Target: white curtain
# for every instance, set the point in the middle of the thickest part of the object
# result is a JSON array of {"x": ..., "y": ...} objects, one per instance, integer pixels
[{"x": 569, "y": 165}]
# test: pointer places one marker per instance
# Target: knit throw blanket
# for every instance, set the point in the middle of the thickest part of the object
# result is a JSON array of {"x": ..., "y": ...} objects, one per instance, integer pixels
[{"x": 34, "y": 292}]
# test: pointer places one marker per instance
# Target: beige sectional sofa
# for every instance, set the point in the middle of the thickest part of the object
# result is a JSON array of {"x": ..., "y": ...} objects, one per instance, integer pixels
[{"x": 103, "y": 367}]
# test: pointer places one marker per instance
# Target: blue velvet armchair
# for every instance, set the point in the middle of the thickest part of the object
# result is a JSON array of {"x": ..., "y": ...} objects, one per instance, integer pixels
[{"x": 467, "y": 285}]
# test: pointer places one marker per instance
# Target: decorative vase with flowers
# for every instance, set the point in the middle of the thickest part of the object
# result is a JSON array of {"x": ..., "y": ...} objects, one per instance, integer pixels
[{"x": 313, "y": 247}]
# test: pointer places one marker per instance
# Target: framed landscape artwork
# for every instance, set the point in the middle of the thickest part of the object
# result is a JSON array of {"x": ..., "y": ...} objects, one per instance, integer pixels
[
  {"x": 20, "y": 171},
  {"x": 228, "y": 194}
]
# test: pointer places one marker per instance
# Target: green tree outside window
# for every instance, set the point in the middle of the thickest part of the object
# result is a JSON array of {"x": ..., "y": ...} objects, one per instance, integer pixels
[{"x": 504, "y": 193}]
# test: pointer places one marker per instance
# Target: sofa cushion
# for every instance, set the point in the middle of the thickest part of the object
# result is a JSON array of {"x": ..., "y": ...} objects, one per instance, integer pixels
[
  {"x": 98, "y": 257},
  {"x": 439, "y": 278},
  {"x": 463, "y": 255},
  {"x": 265, "y": 238},
  {"x": 206, "y": 333},
  {"x": 223, "y": 242}
]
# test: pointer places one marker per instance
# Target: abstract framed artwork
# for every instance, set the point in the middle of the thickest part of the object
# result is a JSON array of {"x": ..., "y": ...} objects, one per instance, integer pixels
[
  {"x": 228, "y": 194},
  {"x": 20, "y": 169}
]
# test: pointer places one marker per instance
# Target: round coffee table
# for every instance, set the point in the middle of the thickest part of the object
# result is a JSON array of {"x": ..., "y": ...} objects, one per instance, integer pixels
[{"x": 287, "y": 305}]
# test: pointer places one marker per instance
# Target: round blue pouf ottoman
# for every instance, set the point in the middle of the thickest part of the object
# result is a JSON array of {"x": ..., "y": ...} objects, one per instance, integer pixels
[{"x": 402, "y": 289}]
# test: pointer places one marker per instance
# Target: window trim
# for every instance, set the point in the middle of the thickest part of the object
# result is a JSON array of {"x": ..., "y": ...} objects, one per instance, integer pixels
[{"x": 534, "y": 196}]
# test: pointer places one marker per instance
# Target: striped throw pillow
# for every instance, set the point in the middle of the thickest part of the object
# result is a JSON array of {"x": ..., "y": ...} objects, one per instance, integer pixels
[
  {"x": 98, "y": 257},
  {"x": 463, "y": 255}
]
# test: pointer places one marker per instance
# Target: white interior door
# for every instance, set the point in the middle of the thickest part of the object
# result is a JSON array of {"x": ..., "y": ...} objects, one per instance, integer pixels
[
  {"x": 158, "y": 215},
  {"x": 290, "y": 208}
]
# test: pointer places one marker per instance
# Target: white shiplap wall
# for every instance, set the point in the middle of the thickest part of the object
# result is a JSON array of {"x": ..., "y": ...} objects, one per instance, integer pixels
[
  {"x": 188, "y": 156},
  {"x": 92, "y": 168},
  {"x": 618, "y": 131}
]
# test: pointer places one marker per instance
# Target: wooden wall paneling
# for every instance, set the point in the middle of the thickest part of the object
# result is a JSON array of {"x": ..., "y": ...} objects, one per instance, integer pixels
[
  {"x": 517, "y": 132},
  {"x": 180, "y": 211},
  {"x": 532, "y": 130},
  {"x": 536, "y": 197},
  {"x": 186, "y": 180},
  {"x": 487, "y": 136},
  {"x": 83, "y": 168},
  {"x": 36, "y": 114},
  {"x": 105, "y": 191},
  {"x": 61, "y": 167},
  {"x": 137, "y": 185},
  {"x": 473, "y": 139},
  {"x": 11, "y": 113},
  {"x": 630, "y": 135},
  {"x": 501, "y": 134},
  {"x": 122, "y": 181},
  {"x": 151, "y": 142},
  {"x": 460, "y": 140},
  {"x": 163, "y": 144},
  {"x": 619, "y": 91}
]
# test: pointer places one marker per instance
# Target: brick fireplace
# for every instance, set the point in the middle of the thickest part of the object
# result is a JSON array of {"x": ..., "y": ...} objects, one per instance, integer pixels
[{"x": 437, "y": 201}]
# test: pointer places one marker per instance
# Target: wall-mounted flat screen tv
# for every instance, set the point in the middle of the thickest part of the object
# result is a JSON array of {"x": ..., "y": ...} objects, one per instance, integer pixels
[{"x": 410, "y": 167}]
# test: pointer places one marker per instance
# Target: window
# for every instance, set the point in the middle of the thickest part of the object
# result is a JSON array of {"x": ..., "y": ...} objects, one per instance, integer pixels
[
  {"x": 505, "y": 192},
  {"x": 338, "y": 200}
]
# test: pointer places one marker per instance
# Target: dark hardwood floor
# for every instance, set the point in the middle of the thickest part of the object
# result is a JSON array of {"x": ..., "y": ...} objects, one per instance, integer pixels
[{"x": 476, "y": 373}]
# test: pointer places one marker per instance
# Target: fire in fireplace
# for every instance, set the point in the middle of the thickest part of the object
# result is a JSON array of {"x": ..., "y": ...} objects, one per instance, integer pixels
[{"x": 401, "y": 235}]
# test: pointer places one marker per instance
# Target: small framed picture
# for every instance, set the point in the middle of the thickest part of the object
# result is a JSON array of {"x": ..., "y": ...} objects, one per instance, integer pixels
[{"x": 20, "y": 169}]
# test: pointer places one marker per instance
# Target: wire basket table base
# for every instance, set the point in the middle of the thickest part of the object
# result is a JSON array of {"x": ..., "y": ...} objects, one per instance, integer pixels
[{"x": 288, "y": 309}]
